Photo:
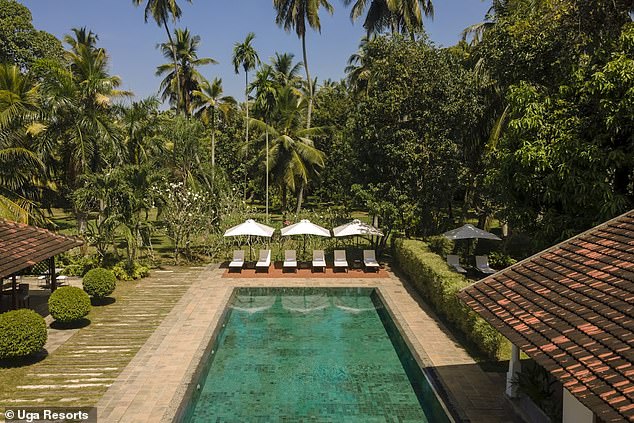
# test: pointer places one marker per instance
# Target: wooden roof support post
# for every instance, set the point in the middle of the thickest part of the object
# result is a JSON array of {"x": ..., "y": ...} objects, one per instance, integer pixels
[{"x": 51, "y": 272}]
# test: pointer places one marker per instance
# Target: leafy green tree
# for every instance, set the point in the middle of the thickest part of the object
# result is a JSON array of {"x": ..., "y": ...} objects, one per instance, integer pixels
[
  {"x": 185, "y": 75},
  {"x": 20, "y": 43},
  {"x": 161, "y": 10},
  {"x": 295, "y": 15},
  {"x": 408, "y": 131}
]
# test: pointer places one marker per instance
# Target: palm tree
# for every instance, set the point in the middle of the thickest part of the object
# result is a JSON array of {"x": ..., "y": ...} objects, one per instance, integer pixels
[
  {"x": 82, "y": 37},
  {"x": 183, "y": 78},
  {"x": 358, "y": 70},
  {"x": 245, "y": 56},
  {"x": 161, "y": 10},
  {"x": 266, "y": 88},
  {"x": 403, "y": 15},
  {"x": 294, "y": 14},
  {"x": 21, "y": 169},
  {"x": 286, "y": 74},
  {"x": 211, "y": 99},
  {"x": 79, "y": 117},
  {"x": 294, "y": 160},
  {"x": 139, "y": 123}
]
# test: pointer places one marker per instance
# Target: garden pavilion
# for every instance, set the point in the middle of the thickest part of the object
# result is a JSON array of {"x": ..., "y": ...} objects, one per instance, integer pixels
[
  {"x": 23, "y": 246},
  {"x": 571, "y": 309}
]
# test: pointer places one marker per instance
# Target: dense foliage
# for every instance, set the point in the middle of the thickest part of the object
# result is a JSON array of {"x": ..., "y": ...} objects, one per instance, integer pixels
[
  {"x": 438, "y": 286},
  {"x": 99, "y": 282},
  {"x": 22, "y": 333},
  {"x": 527, "y": 122}
]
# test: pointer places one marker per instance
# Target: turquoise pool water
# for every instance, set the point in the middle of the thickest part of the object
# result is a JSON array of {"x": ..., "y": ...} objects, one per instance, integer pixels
[{"x": 307, "y": 354}]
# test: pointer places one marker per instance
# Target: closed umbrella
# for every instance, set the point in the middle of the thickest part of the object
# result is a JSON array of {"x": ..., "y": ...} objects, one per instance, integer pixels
[
  {"x": 250, "y": 228},
  {"x": 305, "y": 227}
]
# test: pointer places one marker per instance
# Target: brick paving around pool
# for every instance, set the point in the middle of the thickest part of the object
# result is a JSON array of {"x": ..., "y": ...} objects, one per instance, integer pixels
[{"x": 153, "y": 385}]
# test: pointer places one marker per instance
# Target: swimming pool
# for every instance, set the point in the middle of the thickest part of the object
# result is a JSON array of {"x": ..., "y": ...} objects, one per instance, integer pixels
[{"x": 311, "y": 354}]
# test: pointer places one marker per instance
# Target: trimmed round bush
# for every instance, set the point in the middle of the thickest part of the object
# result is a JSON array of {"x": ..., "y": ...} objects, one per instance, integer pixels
[
  {"x": 68, "y": 304},
  {"x": 22, "y": 333},
  {"x": 99, "y": 283}
]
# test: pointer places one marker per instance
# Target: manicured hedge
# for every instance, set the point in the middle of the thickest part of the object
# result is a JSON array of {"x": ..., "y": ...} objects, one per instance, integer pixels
[
  {"x": 22, "y": 333},
  {"x": 68, "y": 304},
  {"x": 438, "y": 285},
  {"x": 99, "y": 282}
]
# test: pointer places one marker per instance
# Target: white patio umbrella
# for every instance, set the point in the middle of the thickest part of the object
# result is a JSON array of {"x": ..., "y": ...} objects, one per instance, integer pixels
[
  {"x": 250, "y": 228},
  {"x": 356, "y": 228},
  {"x": 470, "y": 232},
  {"x": 305, "y": 227}
]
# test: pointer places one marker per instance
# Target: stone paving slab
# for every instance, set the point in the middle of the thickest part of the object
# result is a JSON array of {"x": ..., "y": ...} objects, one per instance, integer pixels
[{"x": 152, "y": 387}]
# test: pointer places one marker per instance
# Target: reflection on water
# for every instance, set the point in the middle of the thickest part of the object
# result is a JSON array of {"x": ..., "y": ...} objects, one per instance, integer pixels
[
  {"x": 252, "y": 303},
  {"x": 305, "y": 303}
]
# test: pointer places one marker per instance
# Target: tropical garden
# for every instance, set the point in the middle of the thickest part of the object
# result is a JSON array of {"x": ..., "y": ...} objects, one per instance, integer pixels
[{"x": 525, "y": 125}]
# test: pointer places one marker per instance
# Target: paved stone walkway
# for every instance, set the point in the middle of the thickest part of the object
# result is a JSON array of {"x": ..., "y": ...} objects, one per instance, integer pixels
[
  {"x": 153, "y": 385},
  {"x": 86, "y": 362}
]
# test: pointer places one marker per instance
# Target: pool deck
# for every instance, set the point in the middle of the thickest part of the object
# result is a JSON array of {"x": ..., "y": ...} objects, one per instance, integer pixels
[{"x": 152, "y": 386}]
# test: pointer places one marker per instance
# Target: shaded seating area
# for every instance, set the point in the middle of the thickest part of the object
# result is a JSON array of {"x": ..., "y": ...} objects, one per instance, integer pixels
[
  {"x": 454, "y": 262},
  {"x": 369, "y": 260},
  {"x": 238, "y": 260},
  {"x": 264, "y": 261},
  {"x": 22, "y": 247},
  {"x": 340, "y": 261},
  {"x": 482, "y": 264}
]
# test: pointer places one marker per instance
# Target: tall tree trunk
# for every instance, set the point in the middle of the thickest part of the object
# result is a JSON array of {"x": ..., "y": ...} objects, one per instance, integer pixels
[
  {"x": 267, "y": 174},
  {"x": 246, "y": 149},
  {"x": 178, "y": 85},
  {"x": 213, "y": 146},
  {"x": 284, "y": 200},
  {"x": 309, "y": 83},
  {"x": 300, "y": 197}
]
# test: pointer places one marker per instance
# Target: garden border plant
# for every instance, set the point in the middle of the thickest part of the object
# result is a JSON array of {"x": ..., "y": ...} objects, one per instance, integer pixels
[
  {"x": 438, "y": 285},
  {"x": 99, "y": 283},
  {"x": 22, "y": 333},
  {"x": 69, "y": 305}
]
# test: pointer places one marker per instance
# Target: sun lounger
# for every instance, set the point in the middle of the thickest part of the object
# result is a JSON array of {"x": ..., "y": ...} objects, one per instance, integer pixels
[
  {"x": 454, "y": 261},
  {"x": 369, "y": 260},
  {"x": 319, "y": 260},
  {"x": 340, "y": 260},
  {"x": 482, "y": 264},
  {"x": 238, "y": 260},
  {"x": 264, "y": 261},
  {"x": 290, "y": 260}
]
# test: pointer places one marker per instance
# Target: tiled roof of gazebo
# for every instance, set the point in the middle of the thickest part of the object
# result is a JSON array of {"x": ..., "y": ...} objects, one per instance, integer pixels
[
  {"x": 23, "y": 246},
  {"x": 571, "y": 309}
]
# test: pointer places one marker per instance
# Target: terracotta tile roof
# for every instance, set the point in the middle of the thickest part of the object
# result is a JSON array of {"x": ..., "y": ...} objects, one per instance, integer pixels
[
  {"x": 23, "y": 246},
  {"x": 570, "y": 308}
]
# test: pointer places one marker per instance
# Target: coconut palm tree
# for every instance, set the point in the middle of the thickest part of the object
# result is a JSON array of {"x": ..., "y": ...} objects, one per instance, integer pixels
[
  {"x": 396, "y": 15},
  {"x": 161, "y": 10},
  {"x": 139, "y": 123},
  {"x": 245, "y": 57},
  {"x": 294, "y": 160},
  {"x": 357, "y": 71},
  {"x": 183, "y": 78},
  {"x": 286, "y": 74},
  {"x": 211, "y": 100},
  {"x": 21, "y": 169},
  {"x": 295, "y": 14},
  {"x": 266, "y": 87}
]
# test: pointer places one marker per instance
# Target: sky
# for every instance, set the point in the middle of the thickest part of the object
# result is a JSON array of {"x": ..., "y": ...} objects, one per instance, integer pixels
[{"x": 131, "y": 43}]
